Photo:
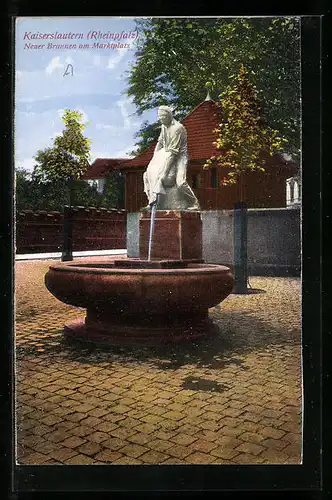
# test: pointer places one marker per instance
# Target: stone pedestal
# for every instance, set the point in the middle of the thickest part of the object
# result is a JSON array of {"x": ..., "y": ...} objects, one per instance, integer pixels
[{"x": 177, "y": 235}]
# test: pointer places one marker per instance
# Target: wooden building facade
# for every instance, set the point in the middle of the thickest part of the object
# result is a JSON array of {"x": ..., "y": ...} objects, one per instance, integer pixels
[{"x": 259, "y": 189}]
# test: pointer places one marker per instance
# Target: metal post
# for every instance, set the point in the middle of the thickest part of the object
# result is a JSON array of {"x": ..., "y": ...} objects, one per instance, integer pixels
[
  {"x": 67, "y": 248},
  {"x": 240, "y": 248}
]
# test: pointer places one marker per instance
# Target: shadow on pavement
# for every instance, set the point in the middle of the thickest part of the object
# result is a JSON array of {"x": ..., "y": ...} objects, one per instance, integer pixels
[{"x": 237, "y": 333}]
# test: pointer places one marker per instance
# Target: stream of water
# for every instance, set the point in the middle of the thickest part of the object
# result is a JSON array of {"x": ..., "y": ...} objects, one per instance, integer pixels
[{"x": 153, "y": 216}]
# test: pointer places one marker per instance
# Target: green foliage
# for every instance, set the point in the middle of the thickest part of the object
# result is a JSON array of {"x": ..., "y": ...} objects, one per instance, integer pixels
[
  {"x": 31, "y": 194},
  {"x": 114, "y": 190},
  {"x": 70, "y": 154},
  {"x": 243, "y": 138},
  {"x": 56, "y": 178},
  {"x": 176, "y": 58},
  {"x": 146, "y": 135}
]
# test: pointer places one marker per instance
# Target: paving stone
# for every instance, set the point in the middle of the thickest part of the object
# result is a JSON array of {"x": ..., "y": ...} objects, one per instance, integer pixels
[
  {"x": 153, "y": 419},
  {"x": 179, "y": 451},
  {"x": 224, "y": 453},
  {"x": 154, "y": 457},
  {"x": 76, "y": 417},
  {"x": 183, "y": 439},
  {"x": 133, "y": 450},
  {"x": 251, "y": 437},
  {"x": 81, "y": 430},
  {"x": 164, "y": 434},
  {"x": 230, "y": 431},
  {"x": 270, "y": 432},
  {"x": 79, "y": 460},
  {"x": 199, "y": 458},
  {"x": 252, "y": 448},
  {"x": 203, "y": 445},
  {"x": 122, "y": 432},
  {"x": 63, "y": 454},
  {"x": 159, "y": 445},
  {"x": 45, "y": 447},
  {"x": 73, "y": 442},
  {"x": 89, "y": 448},
  {"x": 34, "y": 458},
  {"x": 140, "y": 438},
  {"x": 107, "y": 426},
  {"x": 293, "y": 450},
  {"x": 251, "y": 427},
  {"x": 97, "y": 437},
  {"x": 248, "y": 458},
  {"x": 57, "y": 435},
  {"x": 289, "y": 427},
  {"x": 228, "y": 441},
  {"x": 146, "y": 428},
  {"x": 274, "y": 456},
  {"x": 127, "y": 461},
  {"x": 174, "y": 461},
  {"x": 40, "y": 430},
  {"x": 91, "y": 421},
  {"x": 114, "y": 443}
]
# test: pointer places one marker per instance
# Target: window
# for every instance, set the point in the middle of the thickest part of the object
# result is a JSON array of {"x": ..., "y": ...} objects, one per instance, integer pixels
[
  {"x": 292, "y": 191},
  {"x": 196, "y": 181},
  {"x": 214, "y": 177}
]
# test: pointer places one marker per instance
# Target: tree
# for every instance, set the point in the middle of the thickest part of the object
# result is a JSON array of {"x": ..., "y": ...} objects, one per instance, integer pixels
[
  {"x": 69, "y": 157},
  {"x": 66, "y": 161},
  {"x": 114, "y": 190},
  {"x": 176, "y": 57},
  {"x": 243, "y": 138},
  {"x": 32, "y": 194}
]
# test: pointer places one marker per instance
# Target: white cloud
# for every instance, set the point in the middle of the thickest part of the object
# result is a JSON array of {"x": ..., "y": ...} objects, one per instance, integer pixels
[
  {"x": 114, "y": 60},
  {"x": 53, "y": 65},
  {"x": 124, "y": 113},
  {"x": 26, "y": 164},
  {"x": 85, "y": 118},
  {"x": 130, "y": 121},
  {"x": 114, "y": 129},
  {"x": 122, "y": 153}
]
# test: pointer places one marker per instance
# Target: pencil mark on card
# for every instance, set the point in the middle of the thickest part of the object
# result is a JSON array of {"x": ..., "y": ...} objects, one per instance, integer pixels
[{"x": 69, "y": 70}]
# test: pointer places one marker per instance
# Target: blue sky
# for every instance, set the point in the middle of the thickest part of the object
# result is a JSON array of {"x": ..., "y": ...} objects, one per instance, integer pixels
[{"x": 97, "y": 87}]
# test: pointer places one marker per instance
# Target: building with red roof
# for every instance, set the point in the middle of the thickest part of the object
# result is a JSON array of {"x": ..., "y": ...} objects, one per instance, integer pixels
[{"x": 261, "y": 190}]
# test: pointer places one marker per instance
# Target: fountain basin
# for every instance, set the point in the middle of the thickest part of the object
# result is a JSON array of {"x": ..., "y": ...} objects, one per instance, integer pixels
[{"x": 132, "y": 300}]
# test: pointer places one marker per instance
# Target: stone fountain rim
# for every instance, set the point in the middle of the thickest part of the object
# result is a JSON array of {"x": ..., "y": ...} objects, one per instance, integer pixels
[{"x": 199, "y": 269}]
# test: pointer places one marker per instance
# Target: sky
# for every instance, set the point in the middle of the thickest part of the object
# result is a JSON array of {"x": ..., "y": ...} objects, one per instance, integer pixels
[{"x": 95, "y": 84}]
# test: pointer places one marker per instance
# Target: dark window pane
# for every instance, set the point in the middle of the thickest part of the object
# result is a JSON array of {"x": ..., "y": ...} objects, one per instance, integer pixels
[
  {"x": 214, "y": 177},
  {"x": 195, "y": 181}
]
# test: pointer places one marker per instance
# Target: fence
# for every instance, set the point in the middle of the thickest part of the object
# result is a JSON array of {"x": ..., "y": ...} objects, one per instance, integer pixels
[{"x": 93, "y": 229}]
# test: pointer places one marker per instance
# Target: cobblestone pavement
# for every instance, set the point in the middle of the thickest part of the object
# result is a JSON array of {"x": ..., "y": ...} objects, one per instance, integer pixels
[{"x": 232, "y": 399}]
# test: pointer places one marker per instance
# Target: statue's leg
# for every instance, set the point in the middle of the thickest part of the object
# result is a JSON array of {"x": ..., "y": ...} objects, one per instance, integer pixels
[{"x": 188, "y": 193}]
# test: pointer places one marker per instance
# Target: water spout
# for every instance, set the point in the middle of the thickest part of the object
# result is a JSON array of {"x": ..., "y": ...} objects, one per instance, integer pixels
[{"x": 153, "y": 216}]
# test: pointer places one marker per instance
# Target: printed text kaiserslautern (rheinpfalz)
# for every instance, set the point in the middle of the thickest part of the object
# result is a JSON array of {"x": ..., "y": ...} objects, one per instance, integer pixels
[{"x": 91, "y": 35}]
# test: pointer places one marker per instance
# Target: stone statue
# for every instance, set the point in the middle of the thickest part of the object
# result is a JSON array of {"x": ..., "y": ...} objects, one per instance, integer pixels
[{"x": 165, "y": 178}]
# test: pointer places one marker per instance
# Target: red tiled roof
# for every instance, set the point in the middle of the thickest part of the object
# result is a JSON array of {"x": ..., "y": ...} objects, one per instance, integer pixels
[
  {"x": 200, "y": 124},
  {"x": 102, "y": 166}
]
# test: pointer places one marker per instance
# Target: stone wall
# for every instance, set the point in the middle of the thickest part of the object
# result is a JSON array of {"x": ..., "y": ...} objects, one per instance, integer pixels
[
  {"x": 274, "y": 239},
  {"x": 93, "y": 229}
]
